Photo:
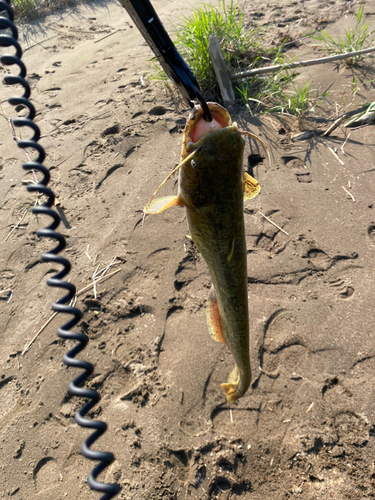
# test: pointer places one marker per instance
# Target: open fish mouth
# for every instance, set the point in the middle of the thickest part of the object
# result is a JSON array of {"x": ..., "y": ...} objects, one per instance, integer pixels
[{"x": 197, "y": 127}]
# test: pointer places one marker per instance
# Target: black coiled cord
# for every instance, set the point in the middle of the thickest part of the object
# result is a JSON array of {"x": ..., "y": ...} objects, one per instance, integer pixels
[{"x": 105, "y": 458}]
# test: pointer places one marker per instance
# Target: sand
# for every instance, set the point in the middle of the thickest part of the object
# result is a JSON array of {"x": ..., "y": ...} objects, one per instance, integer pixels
[{"x": 305, "y": 429}]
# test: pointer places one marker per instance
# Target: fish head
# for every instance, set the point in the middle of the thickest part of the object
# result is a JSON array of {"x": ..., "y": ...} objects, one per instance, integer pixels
[{"x": 215, "y": 169}]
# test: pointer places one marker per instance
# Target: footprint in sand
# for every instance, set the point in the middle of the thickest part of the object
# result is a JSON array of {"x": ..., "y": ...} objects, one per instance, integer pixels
[
  {"x": 46, "y": 474},
  {"x": 8, "y": 395},
  {"x": 371, "y": 232},
  {"x": 298, "y": 167}
]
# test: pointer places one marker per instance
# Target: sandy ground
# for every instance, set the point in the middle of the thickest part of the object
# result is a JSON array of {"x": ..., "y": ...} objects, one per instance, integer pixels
[{"x": 306, "y": 428}]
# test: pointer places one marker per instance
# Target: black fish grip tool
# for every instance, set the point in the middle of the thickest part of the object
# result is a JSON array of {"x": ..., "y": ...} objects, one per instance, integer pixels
[{"x": 153, "y": 31}]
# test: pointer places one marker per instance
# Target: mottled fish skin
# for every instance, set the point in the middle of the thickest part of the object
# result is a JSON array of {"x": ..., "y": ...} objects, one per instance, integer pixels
[{"x": 211, "y": 187}]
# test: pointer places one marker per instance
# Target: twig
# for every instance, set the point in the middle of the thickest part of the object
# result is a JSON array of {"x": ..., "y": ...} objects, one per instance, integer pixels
[
  {"x": 87, "y": 252},
  {"x": 39, "y": 43},
  {"x": 335, "y": 124},
  {"x": 350, "y": 194},
  {"x": 221, "y": 72},
  {"x": 342, "y": 147},
  {"x": 104, "y": 37},
  {"x": 39, "y": 332},
  {"x": 94, "y": 280},
  {"x": 310, "y": 62},
  {"x": 97, "y": 280},
  {"x": 80, "y": 292},
  {"x": 334, "y": 154},
  {"x": 310, "y": 407},
  {"x": 342, "y": 118},
  {"x": 18, "y": 223},
  {"x": 113, "y": 263},
  {"x": 271, "y": 222},
  {"x": 231, "y": 416}
]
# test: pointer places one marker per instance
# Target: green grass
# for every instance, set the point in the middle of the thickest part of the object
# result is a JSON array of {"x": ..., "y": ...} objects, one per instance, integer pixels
[
  {"x": 24, "y": 8},
  {"x": 357, "y": 38},
  {"x": 32, "y": 9},
  {"x": 242, "y": 47},
  {"x": 300, "y": 100},
  {"x": 259, "y": 94},
  {"x": 227, "y": 24}
]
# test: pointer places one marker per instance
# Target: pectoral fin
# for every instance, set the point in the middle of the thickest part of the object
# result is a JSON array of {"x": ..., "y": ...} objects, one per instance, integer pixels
[
  {"x": 160, "y": 204},
  {"x": 251, "y": 187},
  {"x": 213, "y": 317}
]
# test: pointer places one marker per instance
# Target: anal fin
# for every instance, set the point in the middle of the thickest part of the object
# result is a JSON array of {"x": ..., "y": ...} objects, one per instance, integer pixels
[{"x": 213, "y": 317}]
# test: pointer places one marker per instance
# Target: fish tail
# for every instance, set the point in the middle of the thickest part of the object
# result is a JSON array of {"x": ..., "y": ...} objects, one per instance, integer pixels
[{"x": 236, "y": 386}]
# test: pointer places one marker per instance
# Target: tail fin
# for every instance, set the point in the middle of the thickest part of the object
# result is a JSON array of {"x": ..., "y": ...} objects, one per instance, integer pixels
[{"x": 231, "y": 388}]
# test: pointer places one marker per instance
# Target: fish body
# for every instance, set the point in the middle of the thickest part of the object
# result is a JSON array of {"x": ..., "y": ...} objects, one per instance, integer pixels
[{"x": 211, "y": 187}]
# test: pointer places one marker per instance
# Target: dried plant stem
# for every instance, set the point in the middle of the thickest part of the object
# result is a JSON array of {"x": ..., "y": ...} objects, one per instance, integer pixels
[
  {"x": 310, "y": 62},
  {"x": 271, "y": 222},
  {"x": 350, "y": 194},
  {"x": 80, "y": 292},
  {"x": 17, "y": 225}
]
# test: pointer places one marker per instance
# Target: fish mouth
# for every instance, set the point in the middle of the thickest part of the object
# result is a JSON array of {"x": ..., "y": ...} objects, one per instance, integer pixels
[{"x": 197, "y": 127}]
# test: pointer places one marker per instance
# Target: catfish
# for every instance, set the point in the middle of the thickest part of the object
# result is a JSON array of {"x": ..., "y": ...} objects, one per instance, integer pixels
[{"x": 212, "y": 188}]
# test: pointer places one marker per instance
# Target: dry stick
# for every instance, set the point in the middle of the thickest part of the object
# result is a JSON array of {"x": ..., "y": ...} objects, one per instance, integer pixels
[
  {"x": 342, "y": 147},
  {"x": 73, "y": 299},
  {"x": 94, "y": 279},
  {"x": 310, "y": 407},
  {"x": 97, "y": 280},
  {"x": 18, "y": 223},
  {"x": 350, "y": 194},
  {"x": 335, "y": 124},
  {"x": 221, "y": 72},
  {"x": 271, "y": 222},
  {"x": 39, "y": 332},
  {"x": 104, "y": 37},
  {"x": 87, "y": 252},
  {"x": 342, "y": 118},
  {"x": 39, "y": 43},
  {"x": 310, "y": 62},
  {"x": 334, "y": 154}
]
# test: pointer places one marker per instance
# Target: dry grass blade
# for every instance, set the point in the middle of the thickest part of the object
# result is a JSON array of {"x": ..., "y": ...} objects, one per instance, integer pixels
[
  {"x": 72, "y": 303},
  {"x": 273, "y": 223},
  {"x": 350, "y": 194},
  {"x": 334, "y": 154},
  {"x": 18, "y": 224}
]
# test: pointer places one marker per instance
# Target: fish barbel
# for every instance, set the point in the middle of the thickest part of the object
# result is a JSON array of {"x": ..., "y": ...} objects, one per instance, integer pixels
[{"x": 212, "y": 187}]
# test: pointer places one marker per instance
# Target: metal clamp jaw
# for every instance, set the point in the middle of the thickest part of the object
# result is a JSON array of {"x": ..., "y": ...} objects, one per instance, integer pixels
[{"x": 153, "y": 31}]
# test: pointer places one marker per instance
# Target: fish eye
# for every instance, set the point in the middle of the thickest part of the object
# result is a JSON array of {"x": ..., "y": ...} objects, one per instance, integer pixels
[{"x": 194, "y": 163}]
